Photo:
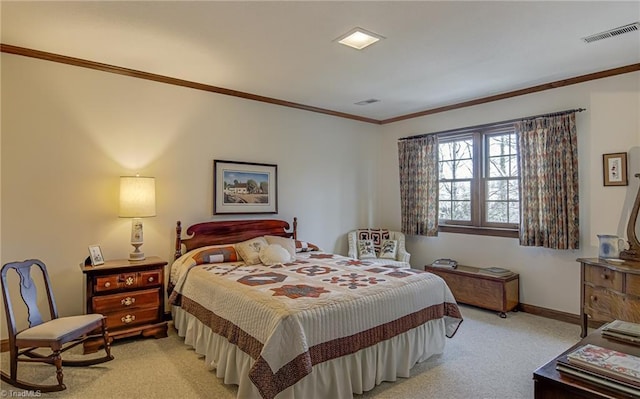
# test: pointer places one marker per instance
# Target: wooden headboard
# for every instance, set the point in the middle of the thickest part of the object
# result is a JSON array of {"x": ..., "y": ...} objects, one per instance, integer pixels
[{"x": 230, "y": 232}]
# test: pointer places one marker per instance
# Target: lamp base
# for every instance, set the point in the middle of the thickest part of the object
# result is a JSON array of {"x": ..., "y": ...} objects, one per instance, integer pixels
[{"x": 136, "y": 254}]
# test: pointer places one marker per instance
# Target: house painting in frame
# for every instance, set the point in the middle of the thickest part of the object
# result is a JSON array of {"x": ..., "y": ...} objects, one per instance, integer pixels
[{"x": 244, "y": 187}]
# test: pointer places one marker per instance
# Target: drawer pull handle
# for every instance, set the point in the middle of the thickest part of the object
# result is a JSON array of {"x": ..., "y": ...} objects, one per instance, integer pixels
[
  {"x": 604, "y": 276},
  {"x": 107, "y": 284},
  {"x": 593, "y": 298},
  {"x": 128, "y": 319},
  {"x": 128, "y": 301},
  {"x": 150, "y": 279},
  {"x": 129, "y": 281}
]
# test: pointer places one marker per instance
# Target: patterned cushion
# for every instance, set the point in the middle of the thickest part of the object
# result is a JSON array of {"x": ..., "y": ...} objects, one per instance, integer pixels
[
  {"x": 303, "y": 246},
  {"x": 366, "y": 249},
  {"x": 388, "y": 249},
  {"x": 217, "y": 254},
  {"x": 377, "y": 235},
  {"x": 249, "y": 250}
]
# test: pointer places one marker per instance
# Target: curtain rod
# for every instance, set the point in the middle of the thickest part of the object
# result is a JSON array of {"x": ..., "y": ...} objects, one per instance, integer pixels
[{"x": 568, "y": 111}]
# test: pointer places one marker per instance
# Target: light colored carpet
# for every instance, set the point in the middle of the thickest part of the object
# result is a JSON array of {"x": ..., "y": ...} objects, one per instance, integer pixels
[{"x": 489, "y": 357}]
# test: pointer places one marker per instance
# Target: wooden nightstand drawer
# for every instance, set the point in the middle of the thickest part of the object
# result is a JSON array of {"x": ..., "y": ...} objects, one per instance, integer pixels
[
  {"x": 131, "y": 317},
  {"x": 603, "y": 277},
  {"x": 150, "y": 279},
  {"x": 117, "y": 302},
  {"x": 116, "y": 281}
]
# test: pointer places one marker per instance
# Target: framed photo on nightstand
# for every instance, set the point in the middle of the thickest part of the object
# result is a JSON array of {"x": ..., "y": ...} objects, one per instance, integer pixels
[{"x": 95, "y": 253}]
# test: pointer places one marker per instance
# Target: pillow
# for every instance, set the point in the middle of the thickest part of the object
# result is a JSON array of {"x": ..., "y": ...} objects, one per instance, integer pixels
[
  {"x": 275, "y": 254},
  {"x": 303, "y": 246},
  {"x": 376, "y": 235},
  {"x": 287, "y": 243},
  {"x": 366, "y": 249},
  {"x": 389, "y": 249},
  {"x": 249, "y": 250},
  {"x": 217, "y": 254}
]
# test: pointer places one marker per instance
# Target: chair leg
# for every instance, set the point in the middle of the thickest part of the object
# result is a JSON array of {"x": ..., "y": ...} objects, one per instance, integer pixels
[{"x": 57, "y": 361}]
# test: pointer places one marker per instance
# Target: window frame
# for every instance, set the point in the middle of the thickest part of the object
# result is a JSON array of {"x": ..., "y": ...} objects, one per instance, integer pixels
[{"x": 478, "y": 224}]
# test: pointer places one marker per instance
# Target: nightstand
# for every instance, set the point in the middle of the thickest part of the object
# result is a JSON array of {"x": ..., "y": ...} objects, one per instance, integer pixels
[{"x": 130, "y": 294}]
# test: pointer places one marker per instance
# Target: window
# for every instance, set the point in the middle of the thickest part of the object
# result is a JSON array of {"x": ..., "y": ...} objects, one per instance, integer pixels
[{"x": 479, "y": 188}]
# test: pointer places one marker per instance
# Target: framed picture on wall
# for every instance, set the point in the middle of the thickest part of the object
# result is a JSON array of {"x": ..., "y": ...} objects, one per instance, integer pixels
[
  {"x": 244, "y": 187},
  {"x": 615, "y": 169}
]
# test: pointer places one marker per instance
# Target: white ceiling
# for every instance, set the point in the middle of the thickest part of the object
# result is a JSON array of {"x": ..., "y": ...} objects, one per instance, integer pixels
[{"x": 435, "y": 53}]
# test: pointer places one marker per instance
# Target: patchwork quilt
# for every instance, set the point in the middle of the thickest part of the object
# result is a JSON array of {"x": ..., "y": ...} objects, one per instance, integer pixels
[{"x": 289, "y": 317}]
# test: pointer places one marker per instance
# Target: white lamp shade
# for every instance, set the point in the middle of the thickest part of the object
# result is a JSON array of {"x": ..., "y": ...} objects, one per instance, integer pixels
[{"x": 137, "y": 197}]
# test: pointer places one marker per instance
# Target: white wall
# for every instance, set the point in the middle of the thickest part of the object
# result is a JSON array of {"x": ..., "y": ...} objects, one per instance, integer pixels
[
  {"x": 548, "y": 278},
  {"x": 68, "y": 133}
]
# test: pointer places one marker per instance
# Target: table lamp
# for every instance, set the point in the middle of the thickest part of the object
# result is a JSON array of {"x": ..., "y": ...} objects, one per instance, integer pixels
[{"x": 137, "y": 200}]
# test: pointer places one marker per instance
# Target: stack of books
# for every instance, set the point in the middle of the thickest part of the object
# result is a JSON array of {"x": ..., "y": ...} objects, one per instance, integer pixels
[
  {"x": 615, "y": 370},
  {"x": 496, "y": 271},
  {"x": 622, "y": 331}
]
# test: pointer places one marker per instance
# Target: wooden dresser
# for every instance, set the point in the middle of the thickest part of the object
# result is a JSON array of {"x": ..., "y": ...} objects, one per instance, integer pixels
[
  {"x": 610, "y": 290},
  {"x": 130, "y": 294},
  {"x": 471, "y": 287}
]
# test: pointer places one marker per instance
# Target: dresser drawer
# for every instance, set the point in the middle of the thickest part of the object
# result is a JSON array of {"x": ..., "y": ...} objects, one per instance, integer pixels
[
  {"x": 603, "y": 277},
  {"x": 603, "y": 302},
  {"x": 117, "y": 302},
  {"x": 112, "y": 282},
  {"x": 633, "y": 284},
  {"x": 132, "y": 317}
]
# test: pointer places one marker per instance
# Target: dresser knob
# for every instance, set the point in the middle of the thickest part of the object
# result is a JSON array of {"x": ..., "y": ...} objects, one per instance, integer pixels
[
  {"x": 128, "y": 301},
  {"x": 107, "y": 284},
  {"x": 150, "y": 279},
  {"x": 593, "y": 298},
  {"x": 588, "y": 316},
  {"x": 128, "y": 319},
  {"x": 604, "y": 276},
  {"x": 129, "y": 281}
]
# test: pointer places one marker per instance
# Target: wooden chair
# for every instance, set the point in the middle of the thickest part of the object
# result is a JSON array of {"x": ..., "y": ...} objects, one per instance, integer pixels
[{"x": 59, "y": 334}]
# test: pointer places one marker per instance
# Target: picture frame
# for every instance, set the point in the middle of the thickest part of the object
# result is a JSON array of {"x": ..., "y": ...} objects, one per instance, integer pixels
[
  {"x": 95, "y": 254},
  {"x": 244, "y": 187},
  {"x": 614, "y": 167}
]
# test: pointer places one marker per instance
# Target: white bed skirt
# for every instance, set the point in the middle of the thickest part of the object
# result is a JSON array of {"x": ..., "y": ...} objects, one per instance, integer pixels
[{"x": 338, "y": 378}]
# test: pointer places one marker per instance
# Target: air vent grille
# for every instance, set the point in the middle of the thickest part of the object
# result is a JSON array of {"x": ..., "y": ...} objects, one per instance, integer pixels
[
  {"x": 367, "y": 102},
  {"x": 613, "y": 32}
]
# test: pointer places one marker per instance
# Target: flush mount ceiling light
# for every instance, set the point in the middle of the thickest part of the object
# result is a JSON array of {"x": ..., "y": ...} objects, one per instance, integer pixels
[{"x": 359, "y": 38}]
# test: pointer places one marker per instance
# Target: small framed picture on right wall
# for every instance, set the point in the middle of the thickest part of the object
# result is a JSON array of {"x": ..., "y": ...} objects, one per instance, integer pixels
[{"x": 614, "y": 167}]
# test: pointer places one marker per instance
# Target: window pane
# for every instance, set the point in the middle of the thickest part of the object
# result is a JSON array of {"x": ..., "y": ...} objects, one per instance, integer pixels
[
  {"x": 513, "y": 163},
  {"x": 464, "y": 169},
  {"x": 497, "y": 212},
  {"x": 499, "y": 145},
  {"x": 499, "y": 167},
  {"x": 461, "y": 210},
  {"x": 444, "y": 210},
  {"x": 497, "y": 190},
  {"x": 462, "y": 190},
  {"x": 463, "y": 149},
  {"x": 514, "y": 212},
  {"x": 446, "y": 151},
  {"x": 445, "y": 191},
  {"x": 514, "y": 189},
  {"x": 446, "y": 169}
]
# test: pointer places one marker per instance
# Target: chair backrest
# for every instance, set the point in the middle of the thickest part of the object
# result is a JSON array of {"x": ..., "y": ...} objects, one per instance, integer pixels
[
  {"x": 402, "y": 254},
  {"x": 28, "y": 293}
]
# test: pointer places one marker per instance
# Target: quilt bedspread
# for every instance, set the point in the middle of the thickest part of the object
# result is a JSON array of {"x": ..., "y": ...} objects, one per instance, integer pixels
[{"x": 291, "y": 316}]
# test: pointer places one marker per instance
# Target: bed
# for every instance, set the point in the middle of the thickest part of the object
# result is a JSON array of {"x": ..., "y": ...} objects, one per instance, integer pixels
[{"x": 314, "y": 325}]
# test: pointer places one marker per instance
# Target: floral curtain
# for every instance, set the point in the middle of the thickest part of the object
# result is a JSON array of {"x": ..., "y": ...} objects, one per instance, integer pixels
[
  {"x": 419, "y": 185},
  {"x": 548, "y": 150}
]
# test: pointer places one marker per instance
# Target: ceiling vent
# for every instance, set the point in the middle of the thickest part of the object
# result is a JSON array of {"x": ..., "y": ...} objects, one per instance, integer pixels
[
  {"x": 367, "y": 102},
  {"x": 613, "y": 32}
]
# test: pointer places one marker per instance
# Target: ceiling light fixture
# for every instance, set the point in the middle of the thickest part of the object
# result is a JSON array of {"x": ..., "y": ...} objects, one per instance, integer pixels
[{"x": 359, "y": 38}]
